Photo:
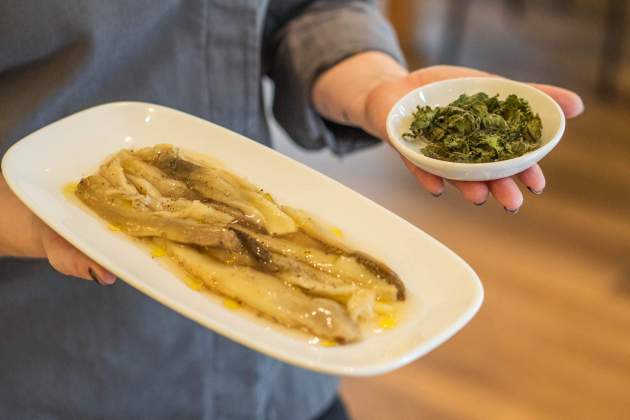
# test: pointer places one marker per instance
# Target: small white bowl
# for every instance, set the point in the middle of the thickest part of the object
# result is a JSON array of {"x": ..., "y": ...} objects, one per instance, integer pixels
[{"x": 444, "y": 92}]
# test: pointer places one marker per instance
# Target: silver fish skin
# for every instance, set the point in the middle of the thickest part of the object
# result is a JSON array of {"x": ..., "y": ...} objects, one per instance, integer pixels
[
  {"x": 132, "y": 217},
  {"x": 268, "y": 295}
]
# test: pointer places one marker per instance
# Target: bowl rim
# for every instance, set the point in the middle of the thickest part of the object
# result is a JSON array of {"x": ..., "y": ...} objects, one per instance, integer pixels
[{"x": 419, "y": 158}]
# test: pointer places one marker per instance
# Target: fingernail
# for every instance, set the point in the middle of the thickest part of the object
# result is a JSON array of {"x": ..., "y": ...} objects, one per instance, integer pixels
[
  {"x": 511, "y": 211},
  {"x": 436, "y": 194},
  {"x": 480, "y": 204},
  {"x": 95, "y": 277},
  {"x": 109, "y": 279},
  {"x": 533, "y": 191},
  {"x": 581, "y": 105}
]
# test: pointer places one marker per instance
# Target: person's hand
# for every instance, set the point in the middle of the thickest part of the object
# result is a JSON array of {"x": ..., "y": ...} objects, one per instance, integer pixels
[
  {"x": 23, "y": 234},
  {"x": 65, "y": 258},
  {"x": 383, "y": 96}
]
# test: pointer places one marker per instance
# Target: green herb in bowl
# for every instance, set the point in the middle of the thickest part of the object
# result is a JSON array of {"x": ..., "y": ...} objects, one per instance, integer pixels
[{"x": 476, "y": 129}]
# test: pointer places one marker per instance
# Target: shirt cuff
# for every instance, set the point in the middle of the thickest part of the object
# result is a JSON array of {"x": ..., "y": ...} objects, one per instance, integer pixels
[{"x": 320, "y": 37}]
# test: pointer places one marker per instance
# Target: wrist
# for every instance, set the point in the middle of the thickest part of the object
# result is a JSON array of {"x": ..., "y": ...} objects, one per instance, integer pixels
[
  {"x": 378, "y": 102},
  {"x": 341, "y": 93},
  {"x": 369, "y": 99},
  {"x": 19, "y": 235}
]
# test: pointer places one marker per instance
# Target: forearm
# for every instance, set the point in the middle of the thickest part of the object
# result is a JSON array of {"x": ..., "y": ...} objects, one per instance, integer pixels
[
  {"x": 340, "y": 94},
  {"x": 17, "y": 226}
]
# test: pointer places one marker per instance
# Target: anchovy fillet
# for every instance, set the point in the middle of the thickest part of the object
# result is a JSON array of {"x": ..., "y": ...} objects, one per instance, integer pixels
[
  {"x": 268, "y": 295},
  {"x": 133, "y": 218}
]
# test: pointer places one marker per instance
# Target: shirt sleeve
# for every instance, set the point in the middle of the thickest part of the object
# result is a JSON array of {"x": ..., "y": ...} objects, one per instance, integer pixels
[{"x": 313, "y": 40}]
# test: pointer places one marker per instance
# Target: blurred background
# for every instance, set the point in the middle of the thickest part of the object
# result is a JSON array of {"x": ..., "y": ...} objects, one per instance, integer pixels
[{"x": 552, "y": 340}]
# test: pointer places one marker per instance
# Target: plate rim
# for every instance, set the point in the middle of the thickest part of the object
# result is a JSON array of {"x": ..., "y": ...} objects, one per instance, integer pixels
[{"x": 372, "y": 369}]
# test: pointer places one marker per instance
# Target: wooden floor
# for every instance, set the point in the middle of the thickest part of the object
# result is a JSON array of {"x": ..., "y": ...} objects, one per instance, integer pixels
[{"x": 552, "y": 340}]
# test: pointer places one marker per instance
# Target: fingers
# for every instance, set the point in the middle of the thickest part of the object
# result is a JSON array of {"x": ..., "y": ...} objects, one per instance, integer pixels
[
  {"x": 432, "y": 183},
  {"x": 506, "y": 192},
  {"x": 70, "y": 261},
  {"x": 533, "y": 179},
  {"x": 569, "y": 101},
  {"x": 473, "y": 191},
  {"x": 98, "y": 273}
]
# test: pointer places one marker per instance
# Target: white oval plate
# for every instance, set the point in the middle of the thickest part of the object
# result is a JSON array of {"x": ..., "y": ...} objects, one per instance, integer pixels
[
  {"x": 444, "y": 92},
  {"x": 444, "y": 293}
]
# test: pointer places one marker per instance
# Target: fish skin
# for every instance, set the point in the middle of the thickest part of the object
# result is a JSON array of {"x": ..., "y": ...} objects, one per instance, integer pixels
[
  {"x": 292, "y": 271},
  {"x": 383, "y": 271},
  {"x": 136, "y": 220},
  {"x": 178, "y": 207},
  {"x": 205, "y": 181},
  {"x": 312, "y": 280},
  {"x": 271, "y": 297},
  {"x": 326, "y": 262},
  {"x": 166, "y": 185},
  {"x": 319, "y": 233},
  {"x": 260, "y": 254},
  {"x": 221, "y": 186}
]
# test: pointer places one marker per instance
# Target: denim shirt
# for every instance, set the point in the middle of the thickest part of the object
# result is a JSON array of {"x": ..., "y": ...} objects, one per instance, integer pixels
[{"x": 70, "y": 349}]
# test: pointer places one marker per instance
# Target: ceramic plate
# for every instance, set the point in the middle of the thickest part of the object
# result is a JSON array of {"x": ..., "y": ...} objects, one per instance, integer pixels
[{"x": 444, "y": 293}]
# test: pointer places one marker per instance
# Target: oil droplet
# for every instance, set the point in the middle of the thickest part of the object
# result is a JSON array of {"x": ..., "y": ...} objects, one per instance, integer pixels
[
  {"x": 69, "y": 189},
  {"x": 336, "y": 231},
  {"x": 157, "y": 251},
  {"x": 128, "y": 204},
  {"x": 328, "y": 343},
  {"x": 113, "y": 228},
  {"x": 231, "y": 304},
  {"x": 387, "y": 322},
  {"x": 268, "y": 197},
  {"x": 384, "y": 309},
  {"x": 193, "y": 283}
]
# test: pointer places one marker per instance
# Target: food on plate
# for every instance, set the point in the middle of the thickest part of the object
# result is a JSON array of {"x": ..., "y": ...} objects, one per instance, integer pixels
[
  {"x": 232, "y": 238},
  {"x": 476, "y": 129}
]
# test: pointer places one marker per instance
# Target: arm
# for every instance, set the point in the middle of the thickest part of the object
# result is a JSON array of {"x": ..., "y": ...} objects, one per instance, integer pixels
[
  {"x": 361, "y": 90},
  {"x": 337, "y": 65},
  {"x": 22, "y": 234},
  {"x": 301, "y": 43}
]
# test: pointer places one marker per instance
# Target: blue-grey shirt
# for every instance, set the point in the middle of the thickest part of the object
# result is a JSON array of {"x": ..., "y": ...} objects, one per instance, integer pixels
[{"x": 71, "y": 349}]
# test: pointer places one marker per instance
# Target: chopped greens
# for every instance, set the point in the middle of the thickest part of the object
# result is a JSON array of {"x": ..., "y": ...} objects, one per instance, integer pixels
[{"x": 476, "y": 129}]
